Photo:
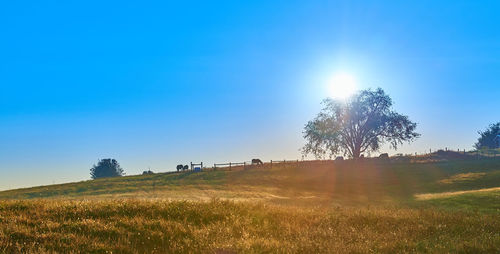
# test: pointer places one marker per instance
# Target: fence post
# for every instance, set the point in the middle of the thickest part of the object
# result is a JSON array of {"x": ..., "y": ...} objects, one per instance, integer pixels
[
  {"x": 271, "y": 163},
  {"x": 191, "y": 165},
  {"x": 201, "y": 166},
  {"x": 229, "y": 166}
]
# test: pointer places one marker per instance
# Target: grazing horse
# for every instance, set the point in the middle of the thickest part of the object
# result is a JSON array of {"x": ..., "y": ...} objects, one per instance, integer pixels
[
  {"x": 180, "y": 167},
  {"x": 257, "y": 161}
]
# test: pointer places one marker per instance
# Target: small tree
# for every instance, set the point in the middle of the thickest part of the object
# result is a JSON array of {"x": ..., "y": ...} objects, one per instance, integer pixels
[
  {"x": 106, "y": 168},
  {"x": 488, "y": 138},
  {"x": 358, "y": 125}
]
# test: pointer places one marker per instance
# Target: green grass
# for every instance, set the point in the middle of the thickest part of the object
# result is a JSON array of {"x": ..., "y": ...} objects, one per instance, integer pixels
[
  {"x": 363, "y": 207},
  {"x": 488, "y": 202}
]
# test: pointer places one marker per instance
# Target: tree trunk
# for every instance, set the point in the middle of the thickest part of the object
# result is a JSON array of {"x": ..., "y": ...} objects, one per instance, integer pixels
[{"x": 356, "y": 153}]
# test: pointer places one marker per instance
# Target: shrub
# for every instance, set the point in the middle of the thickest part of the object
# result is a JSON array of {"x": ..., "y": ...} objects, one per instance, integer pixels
[{"x": 106, "y": 168}]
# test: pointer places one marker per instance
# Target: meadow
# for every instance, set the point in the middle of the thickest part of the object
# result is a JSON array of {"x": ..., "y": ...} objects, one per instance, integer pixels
[{"x": 402, "y": 205}]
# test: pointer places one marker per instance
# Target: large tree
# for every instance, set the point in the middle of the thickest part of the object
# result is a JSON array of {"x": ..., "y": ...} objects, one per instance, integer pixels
[
  {"x": 106, "y": 168},
  {"x": 358, "y": 125},
  {"x": 488, "y": 138}
]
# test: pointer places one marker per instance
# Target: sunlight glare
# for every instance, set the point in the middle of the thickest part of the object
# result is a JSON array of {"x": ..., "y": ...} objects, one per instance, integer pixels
[{"x": 341, "y": 86}]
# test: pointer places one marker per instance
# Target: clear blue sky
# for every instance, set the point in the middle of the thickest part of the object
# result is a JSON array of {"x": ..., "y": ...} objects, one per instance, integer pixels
[{"x": 154, "y": 84}]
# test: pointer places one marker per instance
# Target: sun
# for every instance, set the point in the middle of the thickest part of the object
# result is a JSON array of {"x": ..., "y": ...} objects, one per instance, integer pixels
[{"x": 342, "y": 85}]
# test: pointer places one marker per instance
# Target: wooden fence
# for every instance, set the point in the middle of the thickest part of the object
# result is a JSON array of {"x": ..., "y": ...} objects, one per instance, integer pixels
[
  {"x": 231, "y": 165},
  {"x": 285, "y": 162},
  {"x": 272, "y": 163},
  {"x": 194, "y": 165}
]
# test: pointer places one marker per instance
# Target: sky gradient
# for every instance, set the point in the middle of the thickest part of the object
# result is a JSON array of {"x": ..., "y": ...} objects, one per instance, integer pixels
[{"x": 155, "y": 84}]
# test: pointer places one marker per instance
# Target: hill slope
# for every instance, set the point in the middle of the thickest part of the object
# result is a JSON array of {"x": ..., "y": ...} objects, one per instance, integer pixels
[{"x": 346, "y": 182}]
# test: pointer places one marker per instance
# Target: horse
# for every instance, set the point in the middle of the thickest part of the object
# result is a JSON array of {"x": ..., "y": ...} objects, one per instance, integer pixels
[
  {"x": 257, "y": 161},
  {"x": 180, "y": 167}
]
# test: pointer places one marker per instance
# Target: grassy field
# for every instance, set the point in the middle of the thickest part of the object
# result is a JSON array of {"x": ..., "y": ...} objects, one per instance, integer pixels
[
  {"x": 392, "y": 206},
  {"x": 146, "y": 226}
]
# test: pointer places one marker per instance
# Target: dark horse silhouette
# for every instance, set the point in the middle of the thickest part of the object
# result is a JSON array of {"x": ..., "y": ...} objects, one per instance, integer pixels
[{"x": 257, "y": 161}]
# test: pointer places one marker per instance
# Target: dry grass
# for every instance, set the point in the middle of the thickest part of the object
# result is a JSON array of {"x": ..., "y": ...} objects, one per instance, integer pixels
[
  {"x": 365, "y": 207},
  {"x": 142, "y": 226},
  {"x": 427, "y": 196},
  {"x": 462, "y": 177}
]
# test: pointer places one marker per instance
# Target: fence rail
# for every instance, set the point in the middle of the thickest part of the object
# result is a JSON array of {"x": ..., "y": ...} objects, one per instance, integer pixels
[
  {"x": 230, "y": 165},
  {"x": 272, "y": 163}
]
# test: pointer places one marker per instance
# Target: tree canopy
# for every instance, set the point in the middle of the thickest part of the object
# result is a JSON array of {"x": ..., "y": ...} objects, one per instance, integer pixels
[
  {"x": 360, "y": 124},
  {"x": 488, "y": 137},
  {"x": 106, "y": 168}
]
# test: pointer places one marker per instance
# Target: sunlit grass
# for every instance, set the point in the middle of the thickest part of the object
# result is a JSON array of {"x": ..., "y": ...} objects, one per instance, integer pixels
[
  {"x": 129, "y": 226},
  {"x": 462, "y": 177},
  {"x": 482, "y": 200},
  {"x": 427, "y": 196}
]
